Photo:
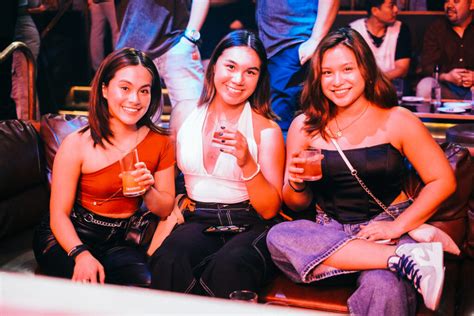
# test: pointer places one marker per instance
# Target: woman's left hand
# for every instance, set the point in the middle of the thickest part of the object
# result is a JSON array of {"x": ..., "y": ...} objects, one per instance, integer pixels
[
  {"x": 233, "y": 143},
  {"x": 379, "y": 230},
  {"x": 143, "y": 176}
]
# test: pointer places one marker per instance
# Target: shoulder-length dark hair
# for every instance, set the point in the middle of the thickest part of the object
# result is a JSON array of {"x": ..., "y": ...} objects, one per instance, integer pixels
[
  {"x": 319, "y": 110},
  {"x": 260, "y": 98},
  {"x": 99, "y": 114}
]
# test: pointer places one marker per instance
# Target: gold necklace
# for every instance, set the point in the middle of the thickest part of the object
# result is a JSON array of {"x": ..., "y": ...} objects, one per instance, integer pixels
[
  {"x": 338, "y": 133},
  {"x": 123, "y": 152}
]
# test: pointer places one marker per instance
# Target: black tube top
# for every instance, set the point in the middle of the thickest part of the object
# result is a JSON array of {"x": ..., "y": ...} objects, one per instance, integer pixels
[{"x": 339, "y": 194}]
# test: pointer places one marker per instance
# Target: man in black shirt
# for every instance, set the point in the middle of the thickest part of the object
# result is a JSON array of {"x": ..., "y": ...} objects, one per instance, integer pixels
[{"x": 449, "y": 43}]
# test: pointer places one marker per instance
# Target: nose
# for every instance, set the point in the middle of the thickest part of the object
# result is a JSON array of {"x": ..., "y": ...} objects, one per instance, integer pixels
[
  {"x": 237, "y": 78},
  {"x": 133, "y": 97},
  {"x": 395, "y": 9},
  {"x": 338, "y": 78}
]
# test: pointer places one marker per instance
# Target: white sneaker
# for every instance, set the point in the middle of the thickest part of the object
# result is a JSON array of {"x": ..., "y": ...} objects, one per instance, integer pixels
[{"x": 422, "y": 264}]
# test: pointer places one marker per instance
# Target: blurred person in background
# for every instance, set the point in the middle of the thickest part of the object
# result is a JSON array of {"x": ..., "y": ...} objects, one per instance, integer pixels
[{"x": 449, "y": 44}]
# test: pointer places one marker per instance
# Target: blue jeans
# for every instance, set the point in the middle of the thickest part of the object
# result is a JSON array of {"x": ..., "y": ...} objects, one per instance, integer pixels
[
  {"x": 298, "y": 248},
  {"x": 191, "y": 261},
  {"x": 286, "y": 82}
]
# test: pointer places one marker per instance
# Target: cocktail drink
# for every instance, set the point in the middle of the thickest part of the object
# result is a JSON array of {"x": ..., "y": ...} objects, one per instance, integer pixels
[
  {"x": 130, "y": 187},
  {"x": 312, "y": 165}
]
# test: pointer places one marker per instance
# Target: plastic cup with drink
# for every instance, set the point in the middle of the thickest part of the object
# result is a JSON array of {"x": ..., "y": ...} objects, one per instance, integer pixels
[{"x": 130, "y": 187}]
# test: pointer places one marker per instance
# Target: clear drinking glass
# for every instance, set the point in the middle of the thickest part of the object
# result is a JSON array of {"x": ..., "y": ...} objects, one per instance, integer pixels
[
  {"x": 244, "y": 295},
  {"x": 129, "y": 186},
  {"x": 223, "y": 126},
  {"x": 312, "y": 166}
]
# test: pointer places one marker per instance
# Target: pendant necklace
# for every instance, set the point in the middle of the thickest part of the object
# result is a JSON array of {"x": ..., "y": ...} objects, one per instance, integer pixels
[
  {"x": 338, "y": 133},
  {"x": 123, "y": 152}
]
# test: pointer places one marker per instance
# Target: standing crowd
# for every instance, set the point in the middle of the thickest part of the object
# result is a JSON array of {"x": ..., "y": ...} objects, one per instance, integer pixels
[{"x": 295, "y": 84}]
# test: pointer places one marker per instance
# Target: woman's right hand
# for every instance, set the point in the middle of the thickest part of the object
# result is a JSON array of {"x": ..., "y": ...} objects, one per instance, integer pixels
[
  {"x": 88, "y": 269},
  {"x": 294, "y": 172}
]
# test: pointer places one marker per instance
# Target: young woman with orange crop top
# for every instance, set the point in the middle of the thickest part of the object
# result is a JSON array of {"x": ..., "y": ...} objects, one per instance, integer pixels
[
  {"x": 233, "y": 176},
  {"x": 84, "y": 238}
]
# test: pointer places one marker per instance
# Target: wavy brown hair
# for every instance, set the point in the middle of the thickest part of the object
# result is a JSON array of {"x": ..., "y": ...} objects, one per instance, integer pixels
[
  {"x": 99, "y": 115},
  {"x": 319, "y": 110},
  {"x": 260, "y": 98}
]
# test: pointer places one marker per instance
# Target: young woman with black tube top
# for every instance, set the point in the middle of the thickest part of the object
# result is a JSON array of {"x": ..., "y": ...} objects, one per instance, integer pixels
[{"x": 348, "y": 102}]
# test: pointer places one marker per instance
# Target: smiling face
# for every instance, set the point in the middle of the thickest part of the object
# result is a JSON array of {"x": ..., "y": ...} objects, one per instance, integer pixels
[
  {"x": 128, "y": 94},
  {"x": 457, "y": 11},
  {"x": 341, "y": 79},
  {"x": 236, "y": 75}
]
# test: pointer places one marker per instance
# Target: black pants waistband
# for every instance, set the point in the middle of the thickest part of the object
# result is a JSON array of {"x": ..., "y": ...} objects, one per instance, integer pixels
[
  {"x": 198, "y": 204},
  {"x": 90, "y": 217}
]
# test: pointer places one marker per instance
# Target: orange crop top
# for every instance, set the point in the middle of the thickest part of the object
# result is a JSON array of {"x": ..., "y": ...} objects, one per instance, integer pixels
[{"x": 100, "y": 191}]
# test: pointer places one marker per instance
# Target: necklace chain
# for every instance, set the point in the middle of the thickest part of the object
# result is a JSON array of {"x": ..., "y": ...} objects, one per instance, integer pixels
[
  {"x": 102, "y": 201},
  {"x": 339, "y": 130},
  {"x": 125, "y": 151}
]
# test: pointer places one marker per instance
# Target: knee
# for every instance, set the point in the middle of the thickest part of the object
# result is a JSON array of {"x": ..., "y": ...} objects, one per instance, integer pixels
[
  {"x": 139, "y": 275},
  {"x": 235, "y": 261},
  {"x": 423, "y": 88},
  {"x": 280, "y": 235}
]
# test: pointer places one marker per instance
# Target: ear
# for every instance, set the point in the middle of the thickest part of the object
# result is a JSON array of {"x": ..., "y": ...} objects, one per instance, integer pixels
[
  {"x": 104, "y": 91},
  {"x": 374, "y": 10}
]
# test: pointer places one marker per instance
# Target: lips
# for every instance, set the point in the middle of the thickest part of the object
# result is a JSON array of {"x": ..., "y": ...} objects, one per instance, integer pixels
[
  {"x": 130, "y": 109},
  {"x": 234, "y": 90},
  {"x": 340, "y": 93}
]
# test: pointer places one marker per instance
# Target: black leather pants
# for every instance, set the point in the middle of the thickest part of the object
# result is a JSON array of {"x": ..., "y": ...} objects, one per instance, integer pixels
[{"x": 123, "y": 263}]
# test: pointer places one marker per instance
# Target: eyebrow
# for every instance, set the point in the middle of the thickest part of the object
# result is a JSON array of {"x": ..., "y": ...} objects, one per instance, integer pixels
[
  {"x": 346, "y": 64},
  {"x": 233, "y": 62},
  {"x": 126, "y": 81}
]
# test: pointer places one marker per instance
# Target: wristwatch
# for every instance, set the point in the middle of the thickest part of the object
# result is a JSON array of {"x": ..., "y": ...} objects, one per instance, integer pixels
[{"x": 192, "y": 35}]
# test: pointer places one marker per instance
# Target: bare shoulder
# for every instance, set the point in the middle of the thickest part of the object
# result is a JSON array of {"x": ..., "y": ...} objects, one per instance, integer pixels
[
  {"x": 263, "y": 123},
  {"x": 76, "y": 143},
  {"x": 402, "y": 124},
  {"x": 266, "y": 131},
  {"x": 401, "y": 113},
  {"x": 298, "y": 121}
]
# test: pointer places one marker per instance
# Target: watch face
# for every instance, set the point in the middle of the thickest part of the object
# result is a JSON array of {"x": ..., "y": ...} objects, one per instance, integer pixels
[{"x": 194, "y": 35}]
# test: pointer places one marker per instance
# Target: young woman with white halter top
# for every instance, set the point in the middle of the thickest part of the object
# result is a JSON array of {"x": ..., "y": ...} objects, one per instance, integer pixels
[{"x": 233, "y": 176}]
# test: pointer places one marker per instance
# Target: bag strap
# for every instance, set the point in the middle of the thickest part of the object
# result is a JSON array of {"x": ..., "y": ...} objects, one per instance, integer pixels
[{"x": 362, "y": 184}]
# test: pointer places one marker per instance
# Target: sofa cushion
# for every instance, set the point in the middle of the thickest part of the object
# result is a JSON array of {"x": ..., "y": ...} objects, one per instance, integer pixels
[
  {"x": 53, "y": 129},
  {"x": 24, "y": 194},
  {"x": 325, "y": 296},
  {"x": 451, "y": 215}
]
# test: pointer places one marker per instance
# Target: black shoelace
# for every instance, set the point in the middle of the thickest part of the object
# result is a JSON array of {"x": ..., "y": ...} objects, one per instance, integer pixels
[{"x": 406, "y": 267}]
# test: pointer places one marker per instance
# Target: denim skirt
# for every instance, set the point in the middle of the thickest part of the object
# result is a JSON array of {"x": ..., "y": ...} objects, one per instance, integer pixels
[{"x": 299, "y": 247}]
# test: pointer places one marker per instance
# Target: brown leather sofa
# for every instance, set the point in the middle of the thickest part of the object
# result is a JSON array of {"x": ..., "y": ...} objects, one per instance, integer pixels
[{"x": 26, "y": 158}]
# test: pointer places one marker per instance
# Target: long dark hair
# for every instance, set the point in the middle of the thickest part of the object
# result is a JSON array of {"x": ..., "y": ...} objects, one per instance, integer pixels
[
  {"x": 319, "y": 110},
  {"x": 260, "y": 99},
  {"x": 99, "y": 115}
]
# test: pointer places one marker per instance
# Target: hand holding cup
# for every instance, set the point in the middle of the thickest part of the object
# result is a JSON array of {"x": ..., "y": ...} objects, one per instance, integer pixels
[
  {"x": 136, "y": 178},
  {"x": 306, "y": 165}
]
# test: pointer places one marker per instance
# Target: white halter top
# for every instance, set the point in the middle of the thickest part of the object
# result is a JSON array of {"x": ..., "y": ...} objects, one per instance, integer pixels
[{"x": 224, "y": 184}]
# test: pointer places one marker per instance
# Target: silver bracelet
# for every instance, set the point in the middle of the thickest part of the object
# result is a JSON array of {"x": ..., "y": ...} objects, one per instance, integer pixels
[{"x": 253, "y": 175}]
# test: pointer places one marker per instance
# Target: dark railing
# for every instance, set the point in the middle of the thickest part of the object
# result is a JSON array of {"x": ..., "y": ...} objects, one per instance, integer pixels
[{"x": 31, "y": 64}]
